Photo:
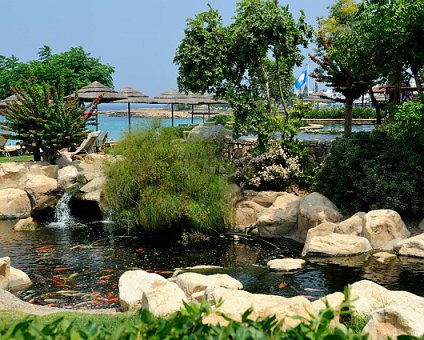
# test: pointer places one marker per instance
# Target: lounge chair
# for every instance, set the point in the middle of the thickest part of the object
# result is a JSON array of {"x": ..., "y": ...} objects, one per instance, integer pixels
[
  {"x": 86, "y": 146},
  {"x": 100, "y": 142}
]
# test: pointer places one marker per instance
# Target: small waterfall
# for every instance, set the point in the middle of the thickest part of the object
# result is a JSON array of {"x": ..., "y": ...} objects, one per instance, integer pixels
[{"x": 62, "y": 215}]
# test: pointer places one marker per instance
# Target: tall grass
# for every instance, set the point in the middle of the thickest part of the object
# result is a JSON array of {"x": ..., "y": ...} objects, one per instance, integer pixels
[{"x": 162, "y": 182}]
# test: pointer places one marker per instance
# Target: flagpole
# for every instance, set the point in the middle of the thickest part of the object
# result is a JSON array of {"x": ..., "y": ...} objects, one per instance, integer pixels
[{"x": 308, "y": 77}]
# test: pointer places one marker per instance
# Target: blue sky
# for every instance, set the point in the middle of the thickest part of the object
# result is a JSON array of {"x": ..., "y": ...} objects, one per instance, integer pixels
[{"x": 137, "y": 37}]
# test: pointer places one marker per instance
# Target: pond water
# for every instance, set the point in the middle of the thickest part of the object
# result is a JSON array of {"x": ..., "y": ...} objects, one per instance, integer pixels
[{"x": 77, "y": 264}]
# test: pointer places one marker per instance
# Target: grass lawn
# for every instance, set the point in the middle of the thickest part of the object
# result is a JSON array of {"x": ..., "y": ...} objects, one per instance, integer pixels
[{"x": 23, "y": 158}]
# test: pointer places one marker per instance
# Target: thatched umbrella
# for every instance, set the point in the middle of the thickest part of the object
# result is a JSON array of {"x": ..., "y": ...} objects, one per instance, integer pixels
[
  {"x": 132, "y": 96},
  {"x": 90, "y": 92},
  {"x": 172, "y": 97},
  {"x": 318, "y": 98}
]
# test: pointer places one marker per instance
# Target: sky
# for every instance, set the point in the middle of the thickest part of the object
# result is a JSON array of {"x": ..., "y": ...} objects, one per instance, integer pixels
[{"x": 138, "y": 37}]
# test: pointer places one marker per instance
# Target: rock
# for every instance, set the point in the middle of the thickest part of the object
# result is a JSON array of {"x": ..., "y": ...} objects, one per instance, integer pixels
[
  {"x": 93, "y": 196},
  {"x": 421, "y": 226},
  {"x": 92, "y": 165},
  {"x": 4, "y": 272},
  {"x": 383, "y": 257},
  {"x": 398, "y": 319},
  {"x": 200, "y": 267},
  {"x": 14, "y": 203},
  {"x": 15, "y": 175},
  {"x": 333, "y": 300},
  {"x": 95, "y": 184},
  {"x": 18, "y": 280},
  {"x": 27, "y": 224},
  {"x": 39, "y": 187},
  {"x": 141, "y": 290},
  {"x": 352, "y": 226},
  {"x": 263, "y": 198},
  {"x": 280, "y": 219},
  {"x": 236, "y": 302},
  {"x": 323, "y": 229},
  {"x": 382, "y": 226},
  {"x": 313, "y": 210},
  {"x": 367, "y": 296},
  {"x": 243, "y": 217},
  {"x": 413, "y": 246},
  {"x": 338, "y": 245},
  {"x": 192, "y": 283},
  {"x": 216, "y": 133},
  {"x": 67, "y": 177},
  {"x": 285, "y": 265}
]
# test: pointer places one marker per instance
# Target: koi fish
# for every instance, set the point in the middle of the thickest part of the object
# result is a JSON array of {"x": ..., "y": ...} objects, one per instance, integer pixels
[
  {"x": 102, "y": 282},
  {"x": 43, "y": 249},
  {"x": 112, "y": 300},
  {"x": 106, "y": 277},
  {"x": 59, "y": 269},
  {"x": 282, "y": 285},
  {"x": 75, "y": 247},
  {"x": 139, "y": 250},
  {"x": 107, "y": 270}
]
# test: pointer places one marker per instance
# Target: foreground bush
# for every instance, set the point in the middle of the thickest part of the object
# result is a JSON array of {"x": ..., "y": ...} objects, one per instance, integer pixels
[
  {"x": 368, "y": 171},
  {"x": 162, "y": 182},
  {"x": 185, "y": 324}
]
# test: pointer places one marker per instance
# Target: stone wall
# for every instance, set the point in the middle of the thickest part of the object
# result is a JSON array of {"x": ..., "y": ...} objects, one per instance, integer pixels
[{"x": 236, "y": 149}]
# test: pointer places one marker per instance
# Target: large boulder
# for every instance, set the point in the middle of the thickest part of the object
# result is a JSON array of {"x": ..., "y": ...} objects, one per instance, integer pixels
[
  {"x": 93, "y": 189},
  {"x": 323, "y": 229},
  {"x": 39, "y": 188},
  {"x": 26, "y": 224},
  {"x": 18, "y": 280},
  {"x": 398, "y": 319},
  {"x": 141, "y": 290},
  {"x": 191, "y": 283},
  {"x": 280, "y": 219},
  {"x": 337, "y": 245},
  {"x": 243, "y": 216},
  {"x": 413, "y": 246},
  {"x": 15, "y": 175},
  {"x": 14, "y": 203},
  {"x": 367, "y": 296},
  {"x": 67, "y": 177},
  {"x": 4, "y": 272},
  {"x": 216, "y": 133},
  {"x": 263, "y": 198},
  {"x": 383, "y": 226},
  {"x": 236, "y": 302},
  {"x": 313, "y": 210}
]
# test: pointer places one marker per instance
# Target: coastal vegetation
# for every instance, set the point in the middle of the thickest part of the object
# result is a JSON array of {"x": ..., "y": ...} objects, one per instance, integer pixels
[{"x": 162, "y": 183}]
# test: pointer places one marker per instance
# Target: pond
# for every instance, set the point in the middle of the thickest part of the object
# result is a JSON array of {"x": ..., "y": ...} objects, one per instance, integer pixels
[{"x": 78, "y": 264}]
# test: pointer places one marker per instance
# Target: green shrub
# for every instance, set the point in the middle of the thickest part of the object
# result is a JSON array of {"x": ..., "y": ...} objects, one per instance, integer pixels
[
  {"x": 162, "y": 182},
  {"x": 338, "y": 113},
  {"x": 221, "y": 119},
  {"x": 368, "y": 171},
  {"x": 407, "y": 120}
]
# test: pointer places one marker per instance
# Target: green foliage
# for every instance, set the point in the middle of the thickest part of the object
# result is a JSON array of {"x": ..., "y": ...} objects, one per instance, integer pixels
[
  {"x": 161, "y": 182},
  {"x": 185, "y": 324},
  {"x": 375, "y": 171},
  {"x": 249, "y": 62},
  {"x": 44, "y": 119},
  {"x": 337, "y": 113},
  {"x": 73, "y": 69},
  {"x": 407, "y": 120},
  {"x": 221, "y": 119}
]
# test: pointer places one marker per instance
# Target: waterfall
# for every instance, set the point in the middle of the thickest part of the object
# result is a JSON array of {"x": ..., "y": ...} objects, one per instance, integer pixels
[{"x": 62, "y": 215}]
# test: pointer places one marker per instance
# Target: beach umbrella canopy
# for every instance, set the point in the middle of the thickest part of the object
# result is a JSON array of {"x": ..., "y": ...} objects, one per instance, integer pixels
[
  {"x": 318, "y": 99},
  {"x": 132, "y": 96},
  {"x": 172, "y": 97},
  {"x": 94, "y": 90}
]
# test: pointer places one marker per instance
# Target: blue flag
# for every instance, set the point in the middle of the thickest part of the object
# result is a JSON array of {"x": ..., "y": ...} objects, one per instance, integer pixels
[{"x": 302, "y": 79}]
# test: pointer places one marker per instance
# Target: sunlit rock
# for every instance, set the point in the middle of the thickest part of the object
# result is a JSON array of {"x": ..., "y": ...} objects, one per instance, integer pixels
[
  {"x": 313, "y": 210},
  {"x": 18, "y": 280},
  {"x": 67, "y": 177},
  {"x": 14, "y": 203},
  {"x": 215, "y": 132},
  {"x": 26, "y": 224},
  {"x": 382, "y": 226},
  {"x": 413, "y": 246},
  {"x": 338, "y": 245},
  {"x": 4, "y": 272},
  {"x": 285, "y": 265},
  {"x": 141, "y": 290}
]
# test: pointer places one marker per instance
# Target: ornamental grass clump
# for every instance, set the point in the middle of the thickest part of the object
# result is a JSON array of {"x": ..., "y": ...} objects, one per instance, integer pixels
[
  {"x": 163, "y": 183},
  {"x": 275, "y": 169}
]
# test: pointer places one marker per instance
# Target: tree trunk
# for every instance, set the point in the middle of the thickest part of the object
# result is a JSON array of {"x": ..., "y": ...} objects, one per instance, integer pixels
[
  {"x": 280, "y": 89},
  {"x": 50, "y": 155},
  {"x": 377, "y": 107},
  {"x": 266, "y": 80},
  {"x": 348, "y": 116}
]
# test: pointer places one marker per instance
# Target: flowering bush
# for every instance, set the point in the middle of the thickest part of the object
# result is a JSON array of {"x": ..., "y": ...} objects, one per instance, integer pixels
[{"x": 276, "y": 169}]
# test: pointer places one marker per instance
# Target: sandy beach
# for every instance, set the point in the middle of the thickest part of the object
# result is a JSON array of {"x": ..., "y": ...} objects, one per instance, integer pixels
[{"x": 158, "y": 113}]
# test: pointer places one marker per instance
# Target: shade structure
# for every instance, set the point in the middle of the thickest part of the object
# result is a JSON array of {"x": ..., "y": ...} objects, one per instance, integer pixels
[
  {"x": 132, "y": 96},
  {"x": 172, "y": 97},
  {"x": 317, "y": 98},
  {"x": 94, "y": 90}
]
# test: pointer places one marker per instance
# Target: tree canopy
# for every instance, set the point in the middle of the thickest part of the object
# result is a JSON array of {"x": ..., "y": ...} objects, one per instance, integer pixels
[
  {"x": 75, "y": 67},
  {"x": 248, "y": 62}
]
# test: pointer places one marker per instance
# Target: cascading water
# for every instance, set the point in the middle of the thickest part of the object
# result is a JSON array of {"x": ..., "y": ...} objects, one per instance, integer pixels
[{"x": 62, "y": 216}]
